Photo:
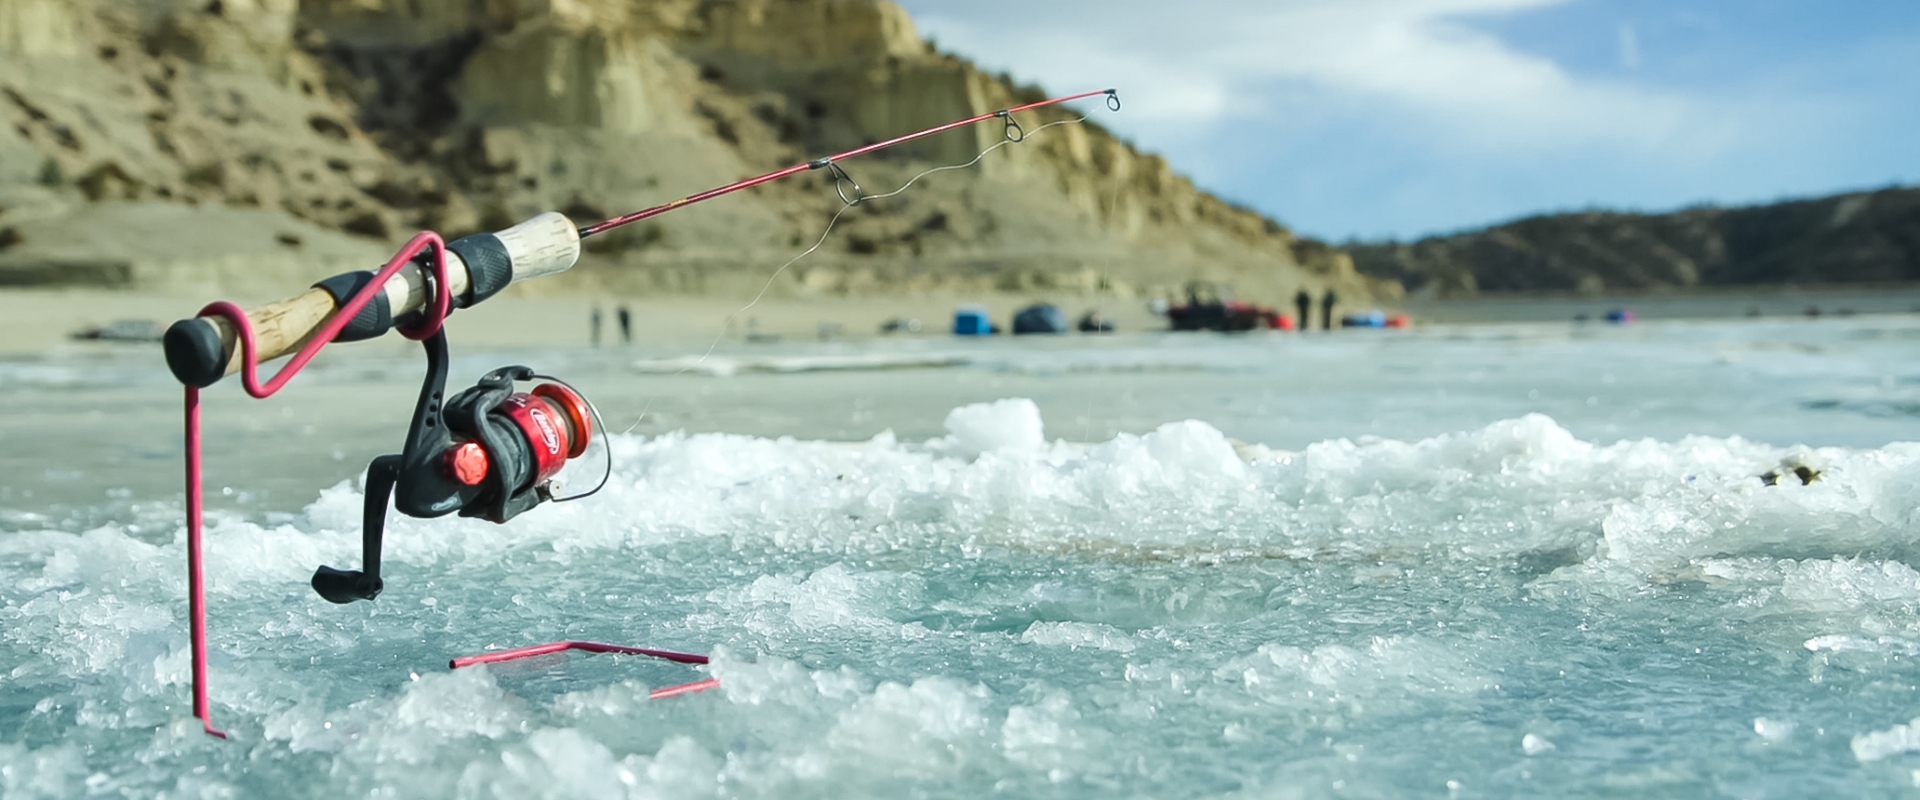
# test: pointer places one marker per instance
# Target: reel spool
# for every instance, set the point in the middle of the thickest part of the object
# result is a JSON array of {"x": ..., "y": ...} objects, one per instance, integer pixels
[{"x": 554, "y": 425}]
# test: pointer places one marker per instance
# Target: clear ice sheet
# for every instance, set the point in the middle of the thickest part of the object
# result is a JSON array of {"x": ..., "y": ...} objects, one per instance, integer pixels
[{"x": 1506, "y": 610}]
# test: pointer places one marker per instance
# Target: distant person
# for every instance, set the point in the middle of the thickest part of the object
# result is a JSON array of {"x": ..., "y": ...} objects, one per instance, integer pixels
[
  {"x": 1303, "y": 302},
  {"x": 1327, "y": 302},
  {"x": 626, "y": 324},
  {"x": 595, "y": 325}
]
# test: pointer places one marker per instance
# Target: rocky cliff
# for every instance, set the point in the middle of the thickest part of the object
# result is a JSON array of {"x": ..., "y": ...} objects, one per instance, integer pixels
[
  {"x": 241, "y": 144},
  {"x": 1866, "y": 237}
]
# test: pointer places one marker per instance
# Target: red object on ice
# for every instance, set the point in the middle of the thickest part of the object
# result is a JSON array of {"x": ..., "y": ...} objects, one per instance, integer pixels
[{"x": 596, "y": 647}]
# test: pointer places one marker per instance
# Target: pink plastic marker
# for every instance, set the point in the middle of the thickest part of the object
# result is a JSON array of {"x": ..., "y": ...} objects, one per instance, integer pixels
[{"x": 551, "y": 648}]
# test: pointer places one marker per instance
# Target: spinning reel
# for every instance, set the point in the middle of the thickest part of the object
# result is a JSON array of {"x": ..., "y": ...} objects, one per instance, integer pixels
[{"x": 489, "y": 452}]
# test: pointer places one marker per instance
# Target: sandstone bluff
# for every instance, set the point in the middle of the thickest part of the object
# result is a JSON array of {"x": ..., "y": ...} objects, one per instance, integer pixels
[{"x": 246, "y": 145}]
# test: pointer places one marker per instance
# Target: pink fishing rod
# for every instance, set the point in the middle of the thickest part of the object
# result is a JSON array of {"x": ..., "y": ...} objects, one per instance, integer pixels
[
  {"x": 1113, "y": 102},
  {"x": 415, "y": 292}
]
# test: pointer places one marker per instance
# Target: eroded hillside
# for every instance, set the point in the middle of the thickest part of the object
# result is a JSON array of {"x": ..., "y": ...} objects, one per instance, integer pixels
[
  {"x": 1861, "y": 237},
  {"x": 239, "y": 144}
]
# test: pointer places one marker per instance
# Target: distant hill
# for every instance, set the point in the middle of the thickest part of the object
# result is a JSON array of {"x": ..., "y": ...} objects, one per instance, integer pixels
[
  {"x": 221, "y": 144},
  {"x": 1864, "y": 237}
]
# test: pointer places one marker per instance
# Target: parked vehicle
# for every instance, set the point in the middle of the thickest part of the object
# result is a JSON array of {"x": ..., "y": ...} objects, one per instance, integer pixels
[{"x": 1212, "y": 308}]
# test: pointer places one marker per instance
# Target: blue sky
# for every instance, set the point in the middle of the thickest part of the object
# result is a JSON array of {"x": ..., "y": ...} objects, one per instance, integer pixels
[{"x": 1399, "y": 118}]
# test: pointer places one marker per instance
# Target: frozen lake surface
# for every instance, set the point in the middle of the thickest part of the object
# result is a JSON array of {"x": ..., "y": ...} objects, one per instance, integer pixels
[{"x": 1464, "y": 561}]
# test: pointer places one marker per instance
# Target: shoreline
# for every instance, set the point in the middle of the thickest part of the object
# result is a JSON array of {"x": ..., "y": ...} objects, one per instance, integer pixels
[
  {"x": 41, "y": 321},
  {"x": 1713, "y": 303}
]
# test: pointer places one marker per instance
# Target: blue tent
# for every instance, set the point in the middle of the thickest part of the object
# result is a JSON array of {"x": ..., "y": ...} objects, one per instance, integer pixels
[{"x": 1040, "y": 318}]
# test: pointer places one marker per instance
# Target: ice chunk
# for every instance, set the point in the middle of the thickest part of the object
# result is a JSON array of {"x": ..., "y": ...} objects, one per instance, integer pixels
[
  {"x": 1197, "y": 447},
  {"x": 459, "y": 704},
  {"x": 1383, "y": 678},
  {"x": 570, "y": 765},
  {"x": 1774, "y": 730},
  {"x": 682, "y": 768},
  {"x": 1534, "y": 744},
  {"x": 1049, "y": 735},
  {"x": 1878, "y": 745},
  {"x": 51, "y": 772},
  {"x": 928, "y": 727},
  {"x": 1011, "y": 424},
  {"x": 1847, "y": 583},
  {"x": 1079, "y": 634},
  {"x": 836, "y": 596}
]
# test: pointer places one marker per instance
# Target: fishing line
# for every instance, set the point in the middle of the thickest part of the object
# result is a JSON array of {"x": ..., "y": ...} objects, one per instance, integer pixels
[{"x": 1013, "y": 134}]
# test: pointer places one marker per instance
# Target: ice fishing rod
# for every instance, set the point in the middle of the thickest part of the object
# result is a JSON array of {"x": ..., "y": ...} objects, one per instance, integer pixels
[
  {"x": 488, "y": 451},
  {"x": 202, "y": 350}
]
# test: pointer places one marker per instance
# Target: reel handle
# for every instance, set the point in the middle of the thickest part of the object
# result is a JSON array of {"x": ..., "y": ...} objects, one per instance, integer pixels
[
  {"x": 343, "y": 586},
  {"x": 202, "y": 350}
]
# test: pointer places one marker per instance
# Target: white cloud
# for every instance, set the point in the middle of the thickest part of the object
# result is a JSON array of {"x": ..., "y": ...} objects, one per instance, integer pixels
[
  {"x": 1186, "y": 69},
  {"x": 1402, "y": 117}
]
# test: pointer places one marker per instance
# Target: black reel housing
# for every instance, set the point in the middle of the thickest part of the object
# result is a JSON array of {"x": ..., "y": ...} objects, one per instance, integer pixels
[{"x": 418, "y": 479}]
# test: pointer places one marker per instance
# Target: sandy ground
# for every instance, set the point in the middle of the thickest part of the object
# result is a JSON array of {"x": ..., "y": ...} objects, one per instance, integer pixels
[
  {"x": 35, "y": 321},
  {"x": 42, "y": 321}
]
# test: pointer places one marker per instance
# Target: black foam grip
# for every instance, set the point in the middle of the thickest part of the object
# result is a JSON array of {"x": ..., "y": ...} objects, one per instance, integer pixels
[
  {"x": 374, "y": 319},
  {"x": 489, "y": 266},
  {"x": 195, "y": 353}
]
